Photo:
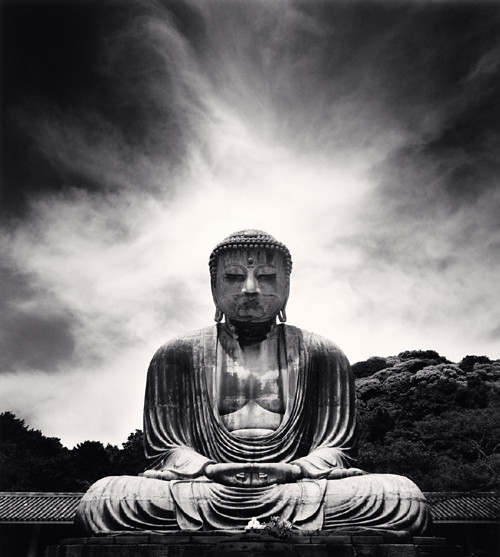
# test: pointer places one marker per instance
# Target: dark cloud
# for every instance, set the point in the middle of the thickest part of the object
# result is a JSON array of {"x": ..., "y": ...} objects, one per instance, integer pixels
[
  {"x": 48, "y": 55},
  {"x": 36, "y": 342},
  {"x": 457, "y": 162},
  {"x": 34, "y": 333},
  {"x": 437, "y": 200},
  {"x": 89, "y": 76}
]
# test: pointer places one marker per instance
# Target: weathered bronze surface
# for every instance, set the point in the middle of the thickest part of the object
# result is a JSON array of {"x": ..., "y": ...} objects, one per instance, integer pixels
[{"x": 251, "y": 419}]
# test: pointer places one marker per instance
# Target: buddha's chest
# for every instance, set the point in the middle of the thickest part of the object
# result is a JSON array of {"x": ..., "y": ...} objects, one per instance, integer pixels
[
  {"x": 251, "y": 389},
  {"x": 242, "y": 385}
]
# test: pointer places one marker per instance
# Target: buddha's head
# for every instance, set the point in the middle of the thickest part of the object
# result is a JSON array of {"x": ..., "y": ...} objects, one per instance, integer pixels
[{"x": 250, "y": 276}]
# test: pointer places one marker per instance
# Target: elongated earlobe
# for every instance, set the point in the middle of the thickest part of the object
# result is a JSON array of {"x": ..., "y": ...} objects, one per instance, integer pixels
[
  {"x": 282, "y": 315},
  {"x": 218, "y": 315}
]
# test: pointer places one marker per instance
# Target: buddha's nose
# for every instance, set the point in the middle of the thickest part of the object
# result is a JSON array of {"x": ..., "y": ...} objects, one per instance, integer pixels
[{"x": 250, "y": 286}]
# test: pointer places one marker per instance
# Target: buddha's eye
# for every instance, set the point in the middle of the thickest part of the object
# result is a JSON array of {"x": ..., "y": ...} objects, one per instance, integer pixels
[
  {"x": 232, "y": 278},
  {"x": 268, "y": 278}
]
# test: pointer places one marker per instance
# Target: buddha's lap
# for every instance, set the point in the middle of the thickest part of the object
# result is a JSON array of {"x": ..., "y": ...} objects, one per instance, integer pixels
[
  {"x": 380, "y": 501},
  {"x": 367, "y": 489}
]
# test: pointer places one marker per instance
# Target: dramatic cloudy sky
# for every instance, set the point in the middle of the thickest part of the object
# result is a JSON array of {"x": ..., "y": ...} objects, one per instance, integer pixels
[{"x": 136, "y": 135}]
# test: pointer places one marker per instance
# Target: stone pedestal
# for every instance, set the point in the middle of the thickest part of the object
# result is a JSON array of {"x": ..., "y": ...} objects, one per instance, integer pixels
[{"x": 236, "y": 544}]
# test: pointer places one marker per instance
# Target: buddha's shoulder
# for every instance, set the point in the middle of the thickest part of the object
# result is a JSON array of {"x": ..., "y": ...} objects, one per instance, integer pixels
[
  {"x": 313, "y": 341},
  {"x": 187, "y": 341}
]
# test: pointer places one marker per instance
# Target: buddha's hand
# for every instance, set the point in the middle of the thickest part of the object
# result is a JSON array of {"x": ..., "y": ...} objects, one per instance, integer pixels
[
  {"x": 253, "y": 474},
  {"x": 340, "y": 473},
  {"x": 160, "y": 475}
]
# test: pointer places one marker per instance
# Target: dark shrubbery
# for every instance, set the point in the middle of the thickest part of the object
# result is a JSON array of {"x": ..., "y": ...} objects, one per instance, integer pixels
[
  {"x": 434, "y": 421},
  {"x": 29, "y": 461}
]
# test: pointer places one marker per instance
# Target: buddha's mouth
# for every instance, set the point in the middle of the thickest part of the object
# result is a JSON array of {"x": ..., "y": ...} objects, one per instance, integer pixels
[{"x": 251, "y": 304}]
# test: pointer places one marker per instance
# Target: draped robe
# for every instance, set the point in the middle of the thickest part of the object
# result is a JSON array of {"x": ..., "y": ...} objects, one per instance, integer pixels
[{"x": 184, "y": 433}]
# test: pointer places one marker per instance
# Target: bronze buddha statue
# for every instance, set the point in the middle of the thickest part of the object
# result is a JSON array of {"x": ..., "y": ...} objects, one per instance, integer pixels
[{"x": 251, "y": 418}]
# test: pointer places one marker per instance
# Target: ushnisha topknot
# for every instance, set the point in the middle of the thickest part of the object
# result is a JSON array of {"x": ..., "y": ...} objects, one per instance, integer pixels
[{"x": 249, "y": 239}]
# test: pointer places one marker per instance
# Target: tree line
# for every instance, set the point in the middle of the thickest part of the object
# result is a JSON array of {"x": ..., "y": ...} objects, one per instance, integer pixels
[
  {"x": 29, "y": 461},
  {"x": 419, "y": 415}
]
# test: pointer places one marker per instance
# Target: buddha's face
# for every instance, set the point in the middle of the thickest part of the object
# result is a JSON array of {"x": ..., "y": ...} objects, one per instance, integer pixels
[{"x": 251, "y": 284}]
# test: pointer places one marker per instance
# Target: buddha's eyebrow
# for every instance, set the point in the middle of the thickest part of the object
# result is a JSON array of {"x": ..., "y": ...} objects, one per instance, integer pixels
[{"x": 266, "y": 268}]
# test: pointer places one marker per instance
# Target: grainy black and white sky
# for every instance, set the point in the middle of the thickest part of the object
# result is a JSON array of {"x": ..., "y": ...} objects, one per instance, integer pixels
[{"x": 137, "y": 134}]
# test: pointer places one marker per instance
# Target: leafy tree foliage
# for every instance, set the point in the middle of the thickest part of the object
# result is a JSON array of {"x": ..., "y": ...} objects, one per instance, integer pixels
[
  {"x": 90, "y": 461},
  {"x": 433, "y": 421},
  {"x": 468, "y": 363},
  {"x": 131, "y": 460},
  {"x": 29, "y": 461},
  {"x": 429, "y": 355},
  {"x": 368, "y": 367}
]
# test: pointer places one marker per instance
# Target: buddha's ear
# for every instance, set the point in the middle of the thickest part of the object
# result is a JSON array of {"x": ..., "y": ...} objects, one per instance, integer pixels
[
  {"x": 214, "y": 293},
  {"x": 282, "y": 311},
  {"x": 218, "y": 315},
  {"x": 218, "y": 312}
]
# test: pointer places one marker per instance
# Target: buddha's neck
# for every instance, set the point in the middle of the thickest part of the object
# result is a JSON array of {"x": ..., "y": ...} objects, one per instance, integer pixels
[{"x": 250, "y": 333}]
